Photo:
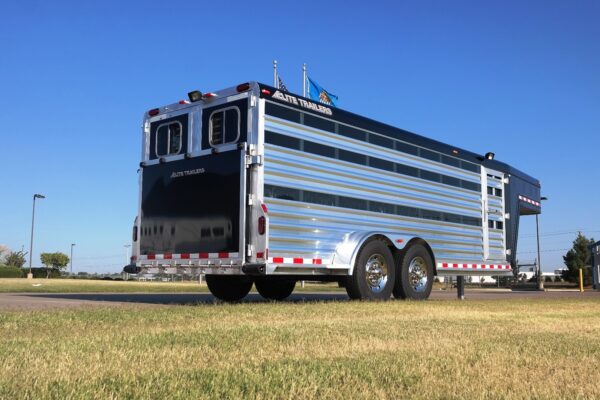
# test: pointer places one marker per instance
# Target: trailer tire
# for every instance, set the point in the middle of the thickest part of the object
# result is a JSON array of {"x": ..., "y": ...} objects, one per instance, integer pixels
[
  {"x": 275, "y": 289},
  {"x": 414, "y": 275},
  {"x": 229, "y": 287},
  {"x": 374, "y": 273}
]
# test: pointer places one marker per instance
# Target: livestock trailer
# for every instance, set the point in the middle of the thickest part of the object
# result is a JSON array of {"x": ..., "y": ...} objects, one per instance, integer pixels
[{"x": 255, "y": 185}]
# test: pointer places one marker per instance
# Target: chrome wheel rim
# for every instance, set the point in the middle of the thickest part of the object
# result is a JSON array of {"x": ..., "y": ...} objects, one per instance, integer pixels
[
  {"x": 417, "y": 274},
  {"x": 376, "y": 273}
]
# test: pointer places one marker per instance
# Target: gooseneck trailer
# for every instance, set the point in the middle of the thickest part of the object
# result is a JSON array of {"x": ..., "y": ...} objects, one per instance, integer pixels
[{"x": 254, "y": 185}]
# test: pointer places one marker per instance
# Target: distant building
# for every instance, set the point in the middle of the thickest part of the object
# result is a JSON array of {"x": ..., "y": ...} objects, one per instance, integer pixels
[{"x": 595, "y": 248}]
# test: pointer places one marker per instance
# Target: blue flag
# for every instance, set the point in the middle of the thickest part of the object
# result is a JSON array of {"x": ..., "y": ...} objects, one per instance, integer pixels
[{"x": 317, "y": 93}]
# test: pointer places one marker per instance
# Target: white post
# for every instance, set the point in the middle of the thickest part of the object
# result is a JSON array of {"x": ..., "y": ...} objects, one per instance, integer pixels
[
  {"x": 275, "y": 74},
  {"x": 304, "y": 80}
]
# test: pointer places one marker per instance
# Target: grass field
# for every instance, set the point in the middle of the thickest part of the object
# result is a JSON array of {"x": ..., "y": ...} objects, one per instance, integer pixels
[
  {"x": 16, "y": 285},
  {"x": 435, "y": 349}
]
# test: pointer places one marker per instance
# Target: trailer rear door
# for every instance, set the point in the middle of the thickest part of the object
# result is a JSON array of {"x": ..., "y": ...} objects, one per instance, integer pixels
[
  {"x": 193, "y": 202},
  {"x": 193, "y": 205},
  {"x": 494, "y": 215}
]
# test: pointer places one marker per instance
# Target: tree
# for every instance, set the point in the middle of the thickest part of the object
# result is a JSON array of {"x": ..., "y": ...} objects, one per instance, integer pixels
[
  {"x": 578, "y": 257},
  {"x": 55, "y": 261},
  {"x": 16, "y": 259}
]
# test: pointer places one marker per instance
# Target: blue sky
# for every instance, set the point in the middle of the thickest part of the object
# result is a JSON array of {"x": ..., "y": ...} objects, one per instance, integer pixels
[{"x": 517, "y": 78}]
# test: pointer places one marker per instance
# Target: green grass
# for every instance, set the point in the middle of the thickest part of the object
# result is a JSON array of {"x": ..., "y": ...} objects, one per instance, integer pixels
[
  {"x": 436, "y": 349},
  {"x": 16, "y": 285},
  {"x": 24, "y": 285}
]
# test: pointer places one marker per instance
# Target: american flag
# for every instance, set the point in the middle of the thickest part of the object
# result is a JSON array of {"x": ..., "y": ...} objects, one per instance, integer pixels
[{"x": 281, "y": 84}]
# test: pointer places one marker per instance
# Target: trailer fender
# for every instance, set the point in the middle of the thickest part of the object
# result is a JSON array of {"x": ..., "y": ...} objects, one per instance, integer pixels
[{"x": 347, "y": 251}]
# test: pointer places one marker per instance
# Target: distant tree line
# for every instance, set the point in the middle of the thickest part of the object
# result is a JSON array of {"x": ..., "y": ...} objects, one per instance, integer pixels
[{"x": 53, "y": 262}]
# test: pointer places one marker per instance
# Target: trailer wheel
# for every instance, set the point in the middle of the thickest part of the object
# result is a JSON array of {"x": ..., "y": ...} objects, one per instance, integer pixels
[
  {"x": 374, "y": 273},
  {"x": 229, "y": 287},
  {"x": 275, "y": 289},
  {"x": 414, "y": 278}
]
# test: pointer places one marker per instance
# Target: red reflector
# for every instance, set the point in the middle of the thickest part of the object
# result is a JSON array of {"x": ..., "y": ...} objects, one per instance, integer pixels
[
  {"x": 265, "y": 91},
  {"x": 133, "y": 258},
  {"x": 243, "y": 87},
  {"x": 153, "y": 112},
  {"x": 264, "y": 208},
  {"x": 262, "y": 222}
]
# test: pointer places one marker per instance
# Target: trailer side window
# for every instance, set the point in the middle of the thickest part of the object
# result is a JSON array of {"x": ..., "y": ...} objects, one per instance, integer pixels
[
  {"x": 224, "y": 126},
  {"x": 168, "y": 139}
]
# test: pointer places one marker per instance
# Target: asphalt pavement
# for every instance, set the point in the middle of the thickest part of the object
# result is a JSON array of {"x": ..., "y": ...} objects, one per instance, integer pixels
[{"x": 33, "y": 301}]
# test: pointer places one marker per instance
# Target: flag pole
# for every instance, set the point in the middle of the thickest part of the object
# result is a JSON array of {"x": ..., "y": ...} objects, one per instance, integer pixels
[
  {"x": 275, "y": 74},
  {"x": 304, "y": 80}
]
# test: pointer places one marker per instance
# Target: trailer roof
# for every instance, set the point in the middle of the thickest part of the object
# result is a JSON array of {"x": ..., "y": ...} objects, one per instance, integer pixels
[{"x": 359, "y": 121}]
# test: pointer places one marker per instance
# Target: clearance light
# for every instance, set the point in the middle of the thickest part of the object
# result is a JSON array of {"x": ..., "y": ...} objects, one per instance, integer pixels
[
  {"x": 184, "y": 102},
  {"x": 243, "y": 87},
  {"x": 194, "y": 96},
  {"x": 265, "y": 91},
  {"x": 209, "y": 95},
  {"x": 153, "y": 112}
]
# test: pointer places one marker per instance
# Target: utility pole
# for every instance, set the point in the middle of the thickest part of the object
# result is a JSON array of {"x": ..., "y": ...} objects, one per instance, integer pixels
[
  {"x": 72, "y": 245},
  {"x": 540, "y": 281}
]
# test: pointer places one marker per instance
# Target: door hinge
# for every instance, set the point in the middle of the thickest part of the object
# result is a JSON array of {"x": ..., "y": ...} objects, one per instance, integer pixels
[{"x": 253, "y": 160}]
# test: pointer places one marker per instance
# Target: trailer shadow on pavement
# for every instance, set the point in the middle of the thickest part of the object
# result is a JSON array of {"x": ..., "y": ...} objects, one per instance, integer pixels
[
  {"x": 69, "y": 300},
  {"x": 177, "y": 298}
]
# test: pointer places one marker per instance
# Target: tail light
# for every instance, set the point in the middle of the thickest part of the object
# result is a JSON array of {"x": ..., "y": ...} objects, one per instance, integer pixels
[
  {"x": 262, "y": 224},
  {"x": 243, "y": 87},
  {"x": 134, "y": 234}
]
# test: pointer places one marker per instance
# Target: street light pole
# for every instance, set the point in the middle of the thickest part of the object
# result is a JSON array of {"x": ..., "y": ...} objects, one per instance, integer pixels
[
  {"x": 72, "y": 244},
  {"x": 35, "y": 196},
  {"x": 540, "y": 281}
]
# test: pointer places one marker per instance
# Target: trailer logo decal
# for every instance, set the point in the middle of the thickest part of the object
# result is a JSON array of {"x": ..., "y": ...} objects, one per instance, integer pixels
[
  {"x": 179, "y": 174},
  {"x": 288, "y": 98}
]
